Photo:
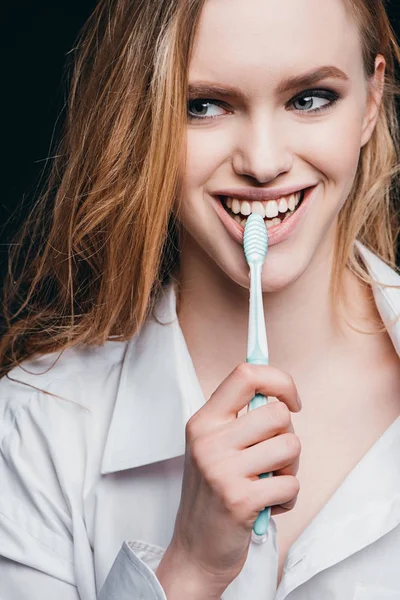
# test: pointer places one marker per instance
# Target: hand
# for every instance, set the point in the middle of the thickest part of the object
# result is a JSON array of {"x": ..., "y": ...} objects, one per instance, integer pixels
[{"x": 221, "y": 491}]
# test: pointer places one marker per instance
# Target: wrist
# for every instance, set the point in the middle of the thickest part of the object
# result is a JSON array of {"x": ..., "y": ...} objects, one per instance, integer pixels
[{"x": 182, "y": 579}]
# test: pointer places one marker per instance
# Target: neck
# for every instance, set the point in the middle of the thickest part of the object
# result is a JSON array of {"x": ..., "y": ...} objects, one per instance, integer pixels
[{"x": 300, "y": 322}]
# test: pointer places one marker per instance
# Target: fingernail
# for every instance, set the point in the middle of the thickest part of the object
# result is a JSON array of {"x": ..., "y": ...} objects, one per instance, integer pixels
[{"x": 299, "y": 401}]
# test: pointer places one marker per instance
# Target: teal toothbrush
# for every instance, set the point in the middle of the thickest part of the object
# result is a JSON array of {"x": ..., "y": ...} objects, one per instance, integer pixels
[{"x": 255, "y": 245}]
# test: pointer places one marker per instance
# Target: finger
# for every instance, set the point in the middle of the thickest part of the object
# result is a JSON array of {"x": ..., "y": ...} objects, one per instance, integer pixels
[
  {"x": 273, "y": 491},
  {"x": 268, "y": 456},
  {"x": 259, "y": 425},
  {"x": 291, "y": 469},
  {"x": 243, "y": 384},
  {"x": 283, "y": 508}
]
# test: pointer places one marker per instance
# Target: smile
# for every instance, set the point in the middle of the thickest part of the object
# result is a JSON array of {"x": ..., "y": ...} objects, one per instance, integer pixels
[{"x": 274, "y": 212}]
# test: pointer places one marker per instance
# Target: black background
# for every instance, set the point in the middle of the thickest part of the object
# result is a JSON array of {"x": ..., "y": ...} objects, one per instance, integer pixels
[{"x": 35, "y": 40}]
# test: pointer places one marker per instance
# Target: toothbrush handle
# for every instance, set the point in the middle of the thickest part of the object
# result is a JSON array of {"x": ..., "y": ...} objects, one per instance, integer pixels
[{"x": 261, "y": 523}]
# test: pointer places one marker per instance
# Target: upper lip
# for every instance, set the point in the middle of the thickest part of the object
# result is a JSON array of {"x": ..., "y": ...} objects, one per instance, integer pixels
[{"x": 262, "y": 195}]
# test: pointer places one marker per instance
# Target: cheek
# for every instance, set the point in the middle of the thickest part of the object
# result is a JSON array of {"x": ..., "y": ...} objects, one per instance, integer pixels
[
  {"x": 205, "y": 152},
  {"x": 334, "y": 147}
]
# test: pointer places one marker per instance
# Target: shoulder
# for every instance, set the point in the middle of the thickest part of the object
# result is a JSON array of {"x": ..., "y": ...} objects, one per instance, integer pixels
[
  {"x": 55, "y": 410},
  {"x": 54, "y": 418},
  {"x": 75, "y": 376},
  {"x": 55, "y": 413}
]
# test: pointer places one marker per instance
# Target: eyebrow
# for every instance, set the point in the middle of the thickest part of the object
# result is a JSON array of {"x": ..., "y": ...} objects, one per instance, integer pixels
[{"x": 204, "y": 88}]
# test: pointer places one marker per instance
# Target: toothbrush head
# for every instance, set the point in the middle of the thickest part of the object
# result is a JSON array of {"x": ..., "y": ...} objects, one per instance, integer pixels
[{"x": 255, "y": 239}]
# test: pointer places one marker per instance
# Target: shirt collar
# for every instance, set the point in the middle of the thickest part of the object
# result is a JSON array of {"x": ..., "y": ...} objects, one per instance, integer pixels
[
  {"x": 159, "y": 390},
  {"x": 157, "y": 394}
]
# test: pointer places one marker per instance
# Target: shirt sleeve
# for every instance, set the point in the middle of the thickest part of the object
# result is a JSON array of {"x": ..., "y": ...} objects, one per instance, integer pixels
[{"x": 130, "y": 578}]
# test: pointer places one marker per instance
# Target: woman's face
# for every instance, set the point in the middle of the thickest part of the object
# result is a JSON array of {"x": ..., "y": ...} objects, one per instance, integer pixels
[{"x": 262, "y": 131}]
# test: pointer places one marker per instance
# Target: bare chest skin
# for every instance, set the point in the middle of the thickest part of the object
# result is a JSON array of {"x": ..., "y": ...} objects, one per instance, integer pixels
[
  {"x": 350, "y": 394},
  {"x": 334, "y": 440}
]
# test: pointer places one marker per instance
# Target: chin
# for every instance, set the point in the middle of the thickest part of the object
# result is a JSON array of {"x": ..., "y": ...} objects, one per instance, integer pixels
[{"x": 280, "y": 270}]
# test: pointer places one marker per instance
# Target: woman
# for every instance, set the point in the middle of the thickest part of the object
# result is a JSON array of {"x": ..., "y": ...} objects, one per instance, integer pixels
[{"x": 125, "y": 392}]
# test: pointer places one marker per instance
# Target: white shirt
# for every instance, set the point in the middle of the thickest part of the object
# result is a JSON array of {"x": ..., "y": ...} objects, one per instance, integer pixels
[{"x": 91, "y": 480}]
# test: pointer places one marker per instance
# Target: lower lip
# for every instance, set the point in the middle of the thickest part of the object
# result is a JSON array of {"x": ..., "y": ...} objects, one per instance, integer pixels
[{"x": 276, "y": 234}]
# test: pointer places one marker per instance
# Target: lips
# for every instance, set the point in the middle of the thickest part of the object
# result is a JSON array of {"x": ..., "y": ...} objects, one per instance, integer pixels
[
  {"x": 273, "y": 211},
  {"x": 278, "y": 232},
  {"x": 262, "y": 194}
]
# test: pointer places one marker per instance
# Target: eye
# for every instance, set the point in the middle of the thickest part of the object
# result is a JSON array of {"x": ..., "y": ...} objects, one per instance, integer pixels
[
  {"x": 314, "y": 101},
  {"x": 199, "y": 108},
  {"x": 310, "y": 101}
]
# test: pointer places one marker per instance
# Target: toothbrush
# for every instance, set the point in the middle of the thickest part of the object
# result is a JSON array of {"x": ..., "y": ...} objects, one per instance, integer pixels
[{"x": 255, "y": 244}]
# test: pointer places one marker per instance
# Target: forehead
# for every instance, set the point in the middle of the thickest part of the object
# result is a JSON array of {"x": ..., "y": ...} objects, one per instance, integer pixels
[{"x": 246, "y": 39}]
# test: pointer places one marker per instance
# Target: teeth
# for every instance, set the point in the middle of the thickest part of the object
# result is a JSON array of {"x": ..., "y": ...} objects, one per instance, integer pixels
[
  {"x": 257, "y": 207},
  {"x": 269, "y": 222},
  {"x": 272, "y": 223},
  {"x": 282, "y": 205},
  {"x": 271, "y": 209},
  {"x": 235, "y": 206},
  {"x": 245, "y": 208}
]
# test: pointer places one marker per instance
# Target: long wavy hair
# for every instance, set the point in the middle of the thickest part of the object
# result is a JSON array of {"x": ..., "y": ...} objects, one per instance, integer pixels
[{"x": 102, "y": 237}]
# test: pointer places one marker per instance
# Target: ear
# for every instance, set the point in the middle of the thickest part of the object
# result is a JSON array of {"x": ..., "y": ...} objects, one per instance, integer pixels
[{"x": 375, "y": 92}]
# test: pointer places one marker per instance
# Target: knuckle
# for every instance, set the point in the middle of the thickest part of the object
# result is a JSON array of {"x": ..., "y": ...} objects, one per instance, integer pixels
[
  {"x": 244, "y": 371},
  {"x": 199, "y": 452},
  {"x": 289, "y": 381},
  {"x": 290, "y": 386},
  {"x": 293, "y": 486},
  {"x": 192, "y": 429},
  {"x": 289, "y": 505},
  {"x": 279, "y": 413},
  {"x": 214, "y": 475},
  {"x": 289, "y": 492},
  {"x": 293, "y": 444},
  {"x": 238, "y": 504}
]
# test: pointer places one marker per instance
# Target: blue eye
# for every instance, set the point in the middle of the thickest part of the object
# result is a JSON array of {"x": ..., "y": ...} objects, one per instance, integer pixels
[
  {"x": 308, "y": 100},
  {"x": 198, "y": 108},
  {"x": 201, "y": 105}
]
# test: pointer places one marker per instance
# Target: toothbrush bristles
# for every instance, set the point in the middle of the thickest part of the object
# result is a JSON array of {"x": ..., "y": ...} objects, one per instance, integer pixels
[{"x": 255, "y": 239}]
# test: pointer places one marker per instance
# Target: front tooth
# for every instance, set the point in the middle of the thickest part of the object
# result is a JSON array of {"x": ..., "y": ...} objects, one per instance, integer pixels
[
  {"x": 282, "y": 205},
  {"x": 245, "y": 208},
  {"x": 271, "y": 209},
  {"x": 276, "y": 221},
  {"x": 269, "y": 224},
  {"x": 297, "y": 198},
  {"x": 243, "y": 222},
  {"x": 229, "y": 202},
  {"x": 238, "y": 219},
  {"x": 257, "y": 207},
  {"x": 235, "y": 206},
  {"x": 291, "y": 202}
]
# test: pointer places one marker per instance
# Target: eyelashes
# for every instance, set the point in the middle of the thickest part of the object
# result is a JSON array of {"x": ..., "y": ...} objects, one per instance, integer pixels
[{"x": 307, "y": 96}]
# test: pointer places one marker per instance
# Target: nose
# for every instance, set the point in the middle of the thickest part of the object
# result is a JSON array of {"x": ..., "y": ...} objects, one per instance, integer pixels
[{"x": 261, "y": 151}]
